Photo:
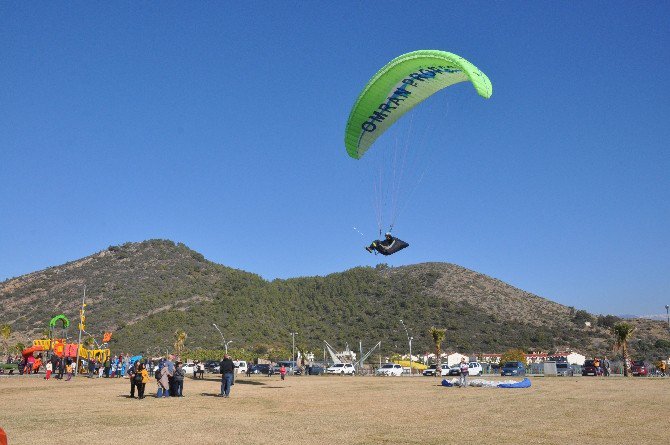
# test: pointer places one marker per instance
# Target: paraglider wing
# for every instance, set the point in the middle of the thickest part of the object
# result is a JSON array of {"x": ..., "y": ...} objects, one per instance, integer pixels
[{"x": 399, "y": 86}]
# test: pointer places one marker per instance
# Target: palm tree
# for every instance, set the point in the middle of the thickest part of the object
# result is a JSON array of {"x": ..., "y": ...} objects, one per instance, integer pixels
[
  {"x": 438, "y": 337},
  {"x": 622, "y": 334},
  {"x": 180, "y": 338},
  {"x": 5, "y": 332}
]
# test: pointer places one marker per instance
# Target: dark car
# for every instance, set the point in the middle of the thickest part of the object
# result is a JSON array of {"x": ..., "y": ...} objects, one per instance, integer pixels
[
  {"x": 212, "y": 366},
  {"x": 589, "y": 368},
  {"x": 260, "y": 369},
  {"x": 564, "y": 369},
  {"x": 314, "y": 370},
  {"x": 638, "y": 368},
  {"x": 513, "y": 368}
]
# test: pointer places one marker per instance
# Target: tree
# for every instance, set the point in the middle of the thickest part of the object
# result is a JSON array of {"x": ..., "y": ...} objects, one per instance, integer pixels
[
  {"x": 5, "y": 332},
  {"x": 438, "y": 335},
  {"x": 513, "y": 355},
  {"x": 622, "y": 334},
  {"x": 19, "y": 347},
  {"x": 180, "y": 338}
]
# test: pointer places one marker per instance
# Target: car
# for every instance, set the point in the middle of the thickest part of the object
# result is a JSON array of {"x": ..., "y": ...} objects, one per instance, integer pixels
[
  {"x": 188, "y": 368},
  {"x": 638, "y": 368},
  {"x": 474, "y": 368},
  {"x": 389, "y": 369},
  {"x": 513, "y": 369},
  {"x": 314, "y": 370},
  {"x": 430, "y": 371},
  {"x": 260, "y": 369},
  {"x": 589, "y": 368},
  {"x": 341, "y": 368},
  {"x": 290, "y": 366},
  {"x": 241, "y": 366},
  {"x": 453, "y": 370},
  {"x": 564, "y": 369},
  {"x": 212, "y": 366}
]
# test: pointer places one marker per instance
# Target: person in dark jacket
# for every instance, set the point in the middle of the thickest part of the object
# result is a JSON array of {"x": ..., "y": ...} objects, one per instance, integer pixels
[
  {"x": 227, "y": 370},
  {"x": 178, "y": 378},
  {"x": 131, "y": 375},
  {"x": 388, "y": 246}
]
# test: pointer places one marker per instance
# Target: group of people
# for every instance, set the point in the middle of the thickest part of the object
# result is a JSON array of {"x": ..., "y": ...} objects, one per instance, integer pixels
[{"x": 603, "y": 365}]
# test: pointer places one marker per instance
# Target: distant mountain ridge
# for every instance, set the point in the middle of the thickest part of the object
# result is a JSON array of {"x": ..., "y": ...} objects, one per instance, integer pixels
[{"x": 145, "y": 291}]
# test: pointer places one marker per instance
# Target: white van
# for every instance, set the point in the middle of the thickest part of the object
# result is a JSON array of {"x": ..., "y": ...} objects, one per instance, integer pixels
[{"x": 241, "y": 366}]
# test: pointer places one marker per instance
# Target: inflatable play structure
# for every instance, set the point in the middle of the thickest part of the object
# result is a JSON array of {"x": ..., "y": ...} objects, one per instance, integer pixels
[
  {"x": 58, "y": 346},
  {"x": 525, "y": 383}
]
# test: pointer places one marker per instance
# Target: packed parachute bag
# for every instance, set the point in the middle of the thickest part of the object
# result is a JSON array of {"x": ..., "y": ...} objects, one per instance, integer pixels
[{"x": 388, "y": 102}]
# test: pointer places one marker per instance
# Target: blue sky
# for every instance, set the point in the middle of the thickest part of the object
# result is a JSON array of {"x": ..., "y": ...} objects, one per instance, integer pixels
[{"x": 220, "y": 125}]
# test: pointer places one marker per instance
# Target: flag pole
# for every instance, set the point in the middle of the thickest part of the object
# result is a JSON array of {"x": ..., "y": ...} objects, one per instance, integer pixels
[{"x": 81, "y": 326}]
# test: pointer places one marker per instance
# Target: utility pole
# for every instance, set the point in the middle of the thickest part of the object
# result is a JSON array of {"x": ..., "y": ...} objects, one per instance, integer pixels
[
  {"x": 409, "y": 339},
  {"x": 293, "y": 356},
  {"x": 667, "y": 312},
  {"x": 82, "y": 319}
]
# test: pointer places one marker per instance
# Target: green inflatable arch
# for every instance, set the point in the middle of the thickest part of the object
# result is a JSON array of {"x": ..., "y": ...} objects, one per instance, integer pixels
[
  {"x": 61, "y": 317},
  {"x": 402, "y": 84}
]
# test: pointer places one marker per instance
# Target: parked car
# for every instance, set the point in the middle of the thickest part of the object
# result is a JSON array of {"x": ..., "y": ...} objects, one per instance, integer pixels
[
  {"x": 260, "y": 369},
  {"x": 638, "y": 368},
  {"x": 564, "y": 369},
  {"x": 315, "y": 370},
  {"x": 454, "y": 370},
  {"x": 513, "y": 369},
  {"x": 390, "y": 369},
  {"x": 212, "y": 366},
  {"x": 589, "y": 368},
  {"x": 475, "y": 368},
  {"x": 188, "y": 368},
  {"x": 288, "y": 364},
  {"x": 241, "y": 366},
  {"x": 341, "y": 368},
  {"x": 430, "y": 371}
]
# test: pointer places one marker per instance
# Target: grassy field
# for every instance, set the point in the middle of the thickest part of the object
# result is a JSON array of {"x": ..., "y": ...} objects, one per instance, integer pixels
[{"x": 333, "y": 409}]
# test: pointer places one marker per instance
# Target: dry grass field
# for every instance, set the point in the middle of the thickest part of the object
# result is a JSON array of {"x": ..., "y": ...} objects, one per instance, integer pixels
[{"x": 342, "y": 410}]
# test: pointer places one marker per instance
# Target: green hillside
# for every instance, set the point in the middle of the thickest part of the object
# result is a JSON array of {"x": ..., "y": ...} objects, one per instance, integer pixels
[{"x": 145, "y": 291}]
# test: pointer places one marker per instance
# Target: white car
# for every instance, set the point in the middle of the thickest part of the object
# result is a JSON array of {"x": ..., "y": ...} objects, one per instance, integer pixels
[
  {"x": 188, "y": 368},
  {"x": 390, "y": 369},
  {"x": 341, "y": 368},
  {"x": 241, "y": 366},
  {"x": 474, "y": 368}
]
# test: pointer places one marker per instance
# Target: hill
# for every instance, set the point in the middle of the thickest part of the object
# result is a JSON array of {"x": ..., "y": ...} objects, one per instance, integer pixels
[{"x": 145, "y": 291}]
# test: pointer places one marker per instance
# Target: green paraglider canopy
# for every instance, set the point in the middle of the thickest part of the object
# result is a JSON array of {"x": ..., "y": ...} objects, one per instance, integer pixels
[
  {"x": 399, "y": 86},
  {"x": 61, "y": 317}
]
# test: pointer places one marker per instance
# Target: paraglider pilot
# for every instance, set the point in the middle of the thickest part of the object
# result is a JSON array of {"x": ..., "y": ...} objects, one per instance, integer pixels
[{"x": 388, "y": 246}]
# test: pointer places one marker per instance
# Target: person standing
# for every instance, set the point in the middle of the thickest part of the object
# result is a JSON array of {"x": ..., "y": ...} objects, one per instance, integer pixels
[
  {"x": 61, "y": 368},
  {"x": 68, "y": 371},
  {"x": 142, "y": 371},
  {"x": 49, "y": 369},
  {"x": 282, "y": 372},
  {"x": 133, "y": 382},
  {"x": 178, "y": 378},
  {"x": 462, "y": 378},
  {"x": 169, "y": 363},
  {"x": 164, "y": 381},
  {"x": 227, "y": 370}
]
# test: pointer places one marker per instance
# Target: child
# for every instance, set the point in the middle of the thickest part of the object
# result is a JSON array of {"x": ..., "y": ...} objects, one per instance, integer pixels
[
  {"x": 282, "y": 371},
  {"x": 49, "y": 369},
  {"x": 68, "y": 371}
]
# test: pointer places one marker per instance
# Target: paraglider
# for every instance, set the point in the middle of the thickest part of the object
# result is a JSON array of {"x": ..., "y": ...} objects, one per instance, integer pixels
[
  {"x": 388, "y": 246},
  {"x": 392, "y": 92}
]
